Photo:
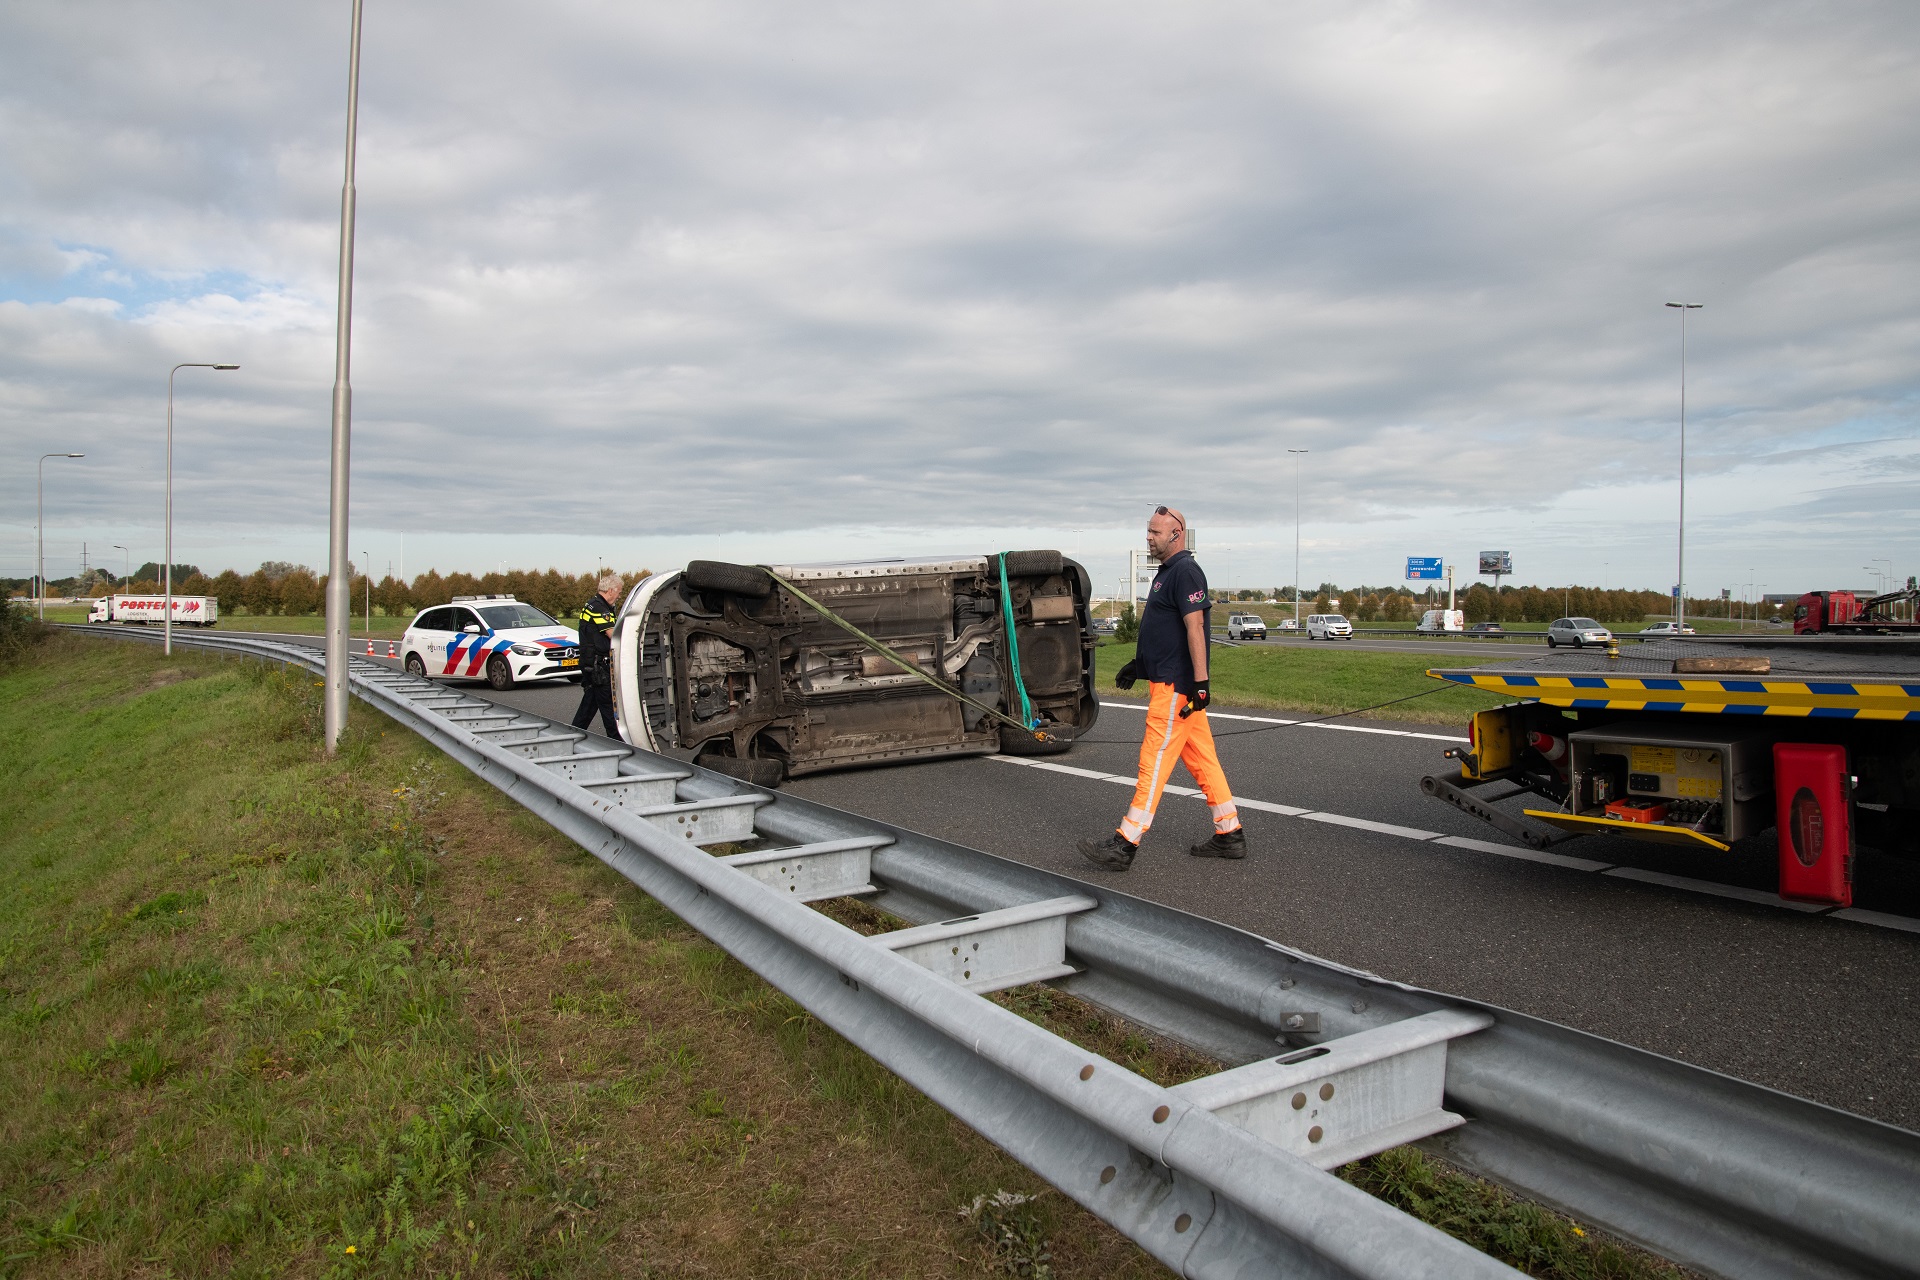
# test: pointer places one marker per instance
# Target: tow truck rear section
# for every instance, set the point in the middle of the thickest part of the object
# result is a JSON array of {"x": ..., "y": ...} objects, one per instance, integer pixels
[{"x": 1703, "y": 742}]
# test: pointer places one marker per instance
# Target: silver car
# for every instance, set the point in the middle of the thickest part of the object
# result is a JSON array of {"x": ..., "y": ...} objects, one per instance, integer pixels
[
  {"x": 1246, "y": 626},
  {"x": 719, "y": 660},
  {"x": 1328, "y": 626},
  {"x": 1578, "y": 632}
]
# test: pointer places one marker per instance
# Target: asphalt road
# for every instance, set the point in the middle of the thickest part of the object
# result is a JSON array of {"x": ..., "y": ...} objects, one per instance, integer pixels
[{"x": 1808, "y": 1003}]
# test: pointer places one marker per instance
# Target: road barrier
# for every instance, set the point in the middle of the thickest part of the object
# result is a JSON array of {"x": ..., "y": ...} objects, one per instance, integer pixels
[{"x": 1222, "y": 1176}]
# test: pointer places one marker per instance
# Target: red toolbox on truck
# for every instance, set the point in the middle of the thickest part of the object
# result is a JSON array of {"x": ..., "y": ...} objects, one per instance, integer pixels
[{"x": 1814, "y": 795}]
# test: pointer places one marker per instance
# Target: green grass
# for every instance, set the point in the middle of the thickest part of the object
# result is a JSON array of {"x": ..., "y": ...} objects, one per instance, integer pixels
[
  {"x": 265, "y": 1012},
  {"x": 1322, "y": 681}
]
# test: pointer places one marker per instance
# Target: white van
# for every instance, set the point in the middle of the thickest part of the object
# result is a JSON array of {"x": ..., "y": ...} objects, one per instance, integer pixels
[
  {"x": 1439, "y": 620},
  {"x": 1328, "y": 626}
]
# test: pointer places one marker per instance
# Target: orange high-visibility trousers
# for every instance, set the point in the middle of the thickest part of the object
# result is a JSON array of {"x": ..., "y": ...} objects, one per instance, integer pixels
[{"x": 1172, "y": 739}]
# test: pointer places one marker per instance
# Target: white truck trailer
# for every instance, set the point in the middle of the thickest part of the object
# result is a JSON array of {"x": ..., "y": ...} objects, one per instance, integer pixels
[{"x": 189, "y": 611}]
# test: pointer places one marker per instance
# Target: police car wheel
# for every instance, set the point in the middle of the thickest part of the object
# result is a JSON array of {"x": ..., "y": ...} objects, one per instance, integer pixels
[
  {"x": 416, "y": 668},
  {"x": 499, "y": 674}
]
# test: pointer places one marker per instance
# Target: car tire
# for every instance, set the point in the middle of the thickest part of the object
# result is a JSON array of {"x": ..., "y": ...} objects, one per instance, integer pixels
[
  {"x": 1578, "y": 643},
  {"x": 1015, "y": 743},
  {"x": 754, "y": 772},
  {"x": 1552, "y": 643},
  {"x": 499, "y": 673},
  {"x": 1032, "y": 564},
  {"x": 415, "y": 667},
  {"x": 730, "y": 579}
]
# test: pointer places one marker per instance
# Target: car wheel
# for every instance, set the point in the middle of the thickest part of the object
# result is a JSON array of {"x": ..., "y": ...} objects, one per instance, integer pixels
[
  {"x": 416, "y": 668},
  {"x": 1552, "y": 643},
  {"x": 1578, "y": 643},
  {"x": 1015, "y": 743},
  {"x": 499, "y": 674},
  {"x": 729, "y": 579}
]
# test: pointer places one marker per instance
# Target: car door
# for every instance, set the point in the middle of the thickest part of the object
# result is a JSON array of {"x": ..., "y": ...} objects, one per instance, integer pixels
[
  {"x": 466, "y": 642},
  {"x": 428, "y": 637}
]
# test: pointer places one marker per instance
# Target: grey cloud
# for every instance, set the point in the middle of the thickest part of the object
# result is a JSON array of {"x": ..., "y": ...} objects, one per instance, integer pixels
[{"x": 785, "y": 268}]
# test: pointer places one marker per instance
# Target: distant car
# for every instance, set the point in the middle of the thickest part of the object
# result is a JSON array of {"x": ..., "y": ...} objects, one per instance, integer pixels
[
  {"x": 1106, "y": 626},
  {"x": 1246, "y": 626},
  {"x": 1578, "y": 632},
  {"x": 1486, "y": 629},
  {"x": 1776, "y": 622},
  {"x": 1667, "y": 629},
  {"x": 1328, "y": 626},
  {"x": 1288, "y": 624},
  {"x": 493, "y": 638},
  {"x": 1442, "y": 620}
]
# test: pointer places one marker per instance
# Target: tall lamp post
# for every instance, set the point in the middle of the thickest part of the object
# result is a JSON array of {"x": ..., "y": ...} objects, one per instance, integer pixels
[
  {"x": 1296, "y": 536},
  {"x": 126, "y": 565},
  {"x": 40, "y": 531},
  {"x": 1680, "y": 576},
  {"x": 339, "y": 585},
  {"x": 166, "y": 570}
]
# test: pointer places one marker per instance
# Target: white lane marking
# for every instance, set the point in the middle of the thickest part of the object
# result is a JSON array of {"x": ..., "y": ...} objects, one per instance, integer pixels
[
  {"x": 1880, "y": 918},
  {"x": 1524, "y": 853},
  {"x": 1365, "y": 824},
  {"x": 1303, "y": 724},
  {"x": 1759, "y": 896}
]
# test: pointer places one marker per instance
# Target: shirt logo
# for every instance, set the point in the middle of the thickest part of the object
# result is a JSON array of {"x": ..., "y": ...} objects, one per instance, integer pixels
[
  {"x": 1196, "y": 597},
  {"x": 1156, "y": 586}
]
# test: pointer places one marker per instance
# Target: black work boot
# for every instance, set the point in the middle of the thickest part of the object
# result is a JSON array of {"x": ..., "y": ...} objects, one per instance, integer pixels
[
  {"x": 1115, "y": 853},
  {"x": 1227, "y": 844}
]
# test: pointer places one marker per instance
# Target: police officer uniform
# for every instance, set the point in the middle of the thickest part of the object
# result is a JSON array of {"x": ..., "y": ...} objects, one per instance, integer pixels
[
  {"x": 596, "y": 666},
  {"x": 1177, "y": 728}
]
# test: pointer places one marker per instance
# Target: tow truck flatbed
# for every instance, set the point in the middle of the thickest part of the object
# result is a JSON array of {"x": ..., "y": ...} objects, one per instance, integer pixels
[{"x": 1703, "y": 741}]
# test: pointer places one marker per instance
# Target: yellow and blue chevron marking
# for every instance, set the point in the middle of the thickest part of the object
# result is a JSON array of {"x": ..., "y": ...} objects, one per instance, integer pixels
[{"x": 1706, "y": 695}]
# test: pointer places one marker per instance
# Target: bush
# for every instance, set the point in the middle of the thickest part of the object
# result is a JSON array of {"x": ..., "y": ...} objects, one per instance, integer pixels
[
  {"x": 18, "y": 630},
  {"x": 1129, "y": 625}
]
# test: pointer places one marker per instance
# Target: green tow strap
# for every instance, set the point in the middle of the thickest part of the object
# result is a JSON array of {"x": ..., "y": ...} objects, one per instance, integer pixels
[
  {"x": 1013, "y": 647},
  {"x": 904, "y": 663}
]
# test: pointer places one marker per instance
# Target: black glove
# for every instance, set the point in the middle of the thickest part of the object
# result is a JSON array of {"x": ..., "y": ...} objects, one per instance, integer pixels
[
  {"x": 1125, "y": 676},
  {"x": 1197, "y": 700}
]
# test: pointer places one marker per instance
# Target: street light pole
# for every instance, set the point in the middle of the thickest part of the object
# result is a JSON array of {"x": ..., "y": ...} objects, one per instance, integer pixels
[
  {"x": 166, "y": 570},
  {"x": 126, "y": 565},
  {"x": 339, "y": 587},
  {"x": 1680, "y": 583},
  {"x": 1296, "y": 536},
  {"x": 40, "y": 531}
]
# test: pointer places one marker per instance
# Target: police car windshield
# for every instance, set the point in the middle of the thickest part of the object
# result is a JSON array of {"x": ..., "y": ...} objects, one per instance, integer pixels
[{"x": 503, "y": 616}]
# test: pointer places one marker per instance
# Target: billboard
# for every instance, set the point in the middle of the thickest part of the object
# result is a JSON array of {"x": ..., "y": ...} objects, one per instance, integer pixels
[
  {"x": 1420, "y": 568},
  {"x": 1496, "y": 562}
]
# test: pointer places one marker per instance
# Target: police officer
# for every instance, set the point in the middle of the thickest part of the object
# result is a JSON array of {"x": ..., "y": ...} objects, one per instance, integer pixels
[
  {"x": 597, "y": 617},
  {"x": 1172, "y": 657}
]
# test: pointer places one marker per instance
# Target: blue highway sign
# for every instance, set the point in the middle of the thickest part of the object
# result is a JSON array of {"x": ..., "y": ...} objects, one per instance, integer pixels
[{"x": 1419, "y": 567}]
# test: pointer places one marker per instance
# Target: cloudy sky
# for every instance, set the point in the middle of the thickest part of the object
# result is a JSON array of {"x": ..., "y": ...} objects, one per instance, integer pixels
[{"x": 640, "y": 283}]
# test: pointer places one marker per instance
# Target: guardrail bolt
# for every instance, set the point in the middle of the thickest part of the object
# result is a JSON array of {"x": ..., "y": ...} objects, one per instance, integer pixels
[
  {"x": 1299, "y": 1101},
  {"x": 1326, "y": 1093},
  {"x": 1315, "y": 1134},
  {"x": 1107, "y": 1175},
  {"x": 1160, "y": 1113},
  {"x": 1086, "y": 1072},
  {"x": 1182, "y": 1222}
]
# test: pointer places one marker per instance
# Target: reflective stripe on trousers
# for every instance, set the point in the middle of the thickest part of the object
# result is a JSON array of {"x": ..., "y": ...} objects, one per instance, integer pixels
[{"x": 1172, "y": 740}]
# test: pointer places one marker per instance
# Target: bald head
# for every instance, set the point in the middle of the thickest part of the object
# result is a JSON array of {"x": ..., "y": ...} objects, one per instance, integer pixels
[{"x": 1166, "y": 534}]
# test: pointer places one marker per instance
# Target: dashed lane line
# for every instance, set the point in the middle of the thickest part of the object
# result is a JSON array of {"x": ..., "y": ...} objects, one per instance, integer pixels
[
  {"x": 1306, "y": 724},
  {"x": 1877, "y": 919}
]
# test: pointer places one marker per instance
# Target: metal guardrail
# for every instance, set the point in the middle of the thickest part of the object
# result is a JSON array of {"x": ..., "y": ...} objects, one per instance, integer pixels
[{"x": 1216, "y": 1177}]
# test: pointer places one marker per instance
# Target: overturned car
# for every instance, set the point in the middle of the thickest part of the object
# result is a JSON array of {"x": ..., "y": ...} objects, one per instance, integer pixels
[{"x": 784, "y": 670}]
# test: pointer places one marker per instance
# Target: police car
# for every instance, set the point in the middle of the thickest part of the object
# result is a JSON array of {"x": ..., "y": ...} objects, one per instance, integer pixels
[{"x": 494, "y": 638}]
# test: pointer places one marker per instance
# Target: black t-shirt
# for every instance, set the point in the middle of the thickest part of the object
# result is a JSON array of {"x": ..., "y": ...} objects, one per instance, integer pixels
[{"x": 1180, "y": 588}]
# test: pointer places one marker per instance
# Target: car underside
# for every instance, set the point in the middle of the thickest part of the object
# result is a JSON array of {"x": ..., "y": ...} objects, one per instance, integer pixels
[{"x": 725, "y": 661}]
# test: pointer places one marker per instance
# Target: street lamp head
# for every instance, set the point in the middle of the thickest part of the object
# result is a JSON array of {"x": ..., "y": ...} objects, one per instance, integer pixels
[
  {"x": 1687, "y": 306},
  {"x": 226, "y": 366},
  {"x": 76, "y": 455}
]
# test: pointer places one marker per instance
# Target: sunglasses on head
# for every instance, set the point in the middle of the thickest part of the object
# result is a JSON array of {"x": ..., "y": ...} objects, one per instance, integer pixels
[{"x": 1169, "y": 511}]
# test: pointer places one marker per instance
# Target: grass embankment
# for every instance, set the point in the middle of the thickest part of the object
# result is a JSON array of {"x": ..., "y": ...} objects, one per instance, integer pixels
[
  {"x": 1323, "y": 680},
  {"x": 262, "y": 1012}
]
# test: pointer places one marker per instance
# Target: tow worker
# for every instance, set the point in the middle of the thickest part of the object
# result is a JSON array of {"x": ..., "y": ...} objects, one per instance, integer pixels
[
  {"x": 1172, "y": 657},
  {"x": 597, "y": 617}
]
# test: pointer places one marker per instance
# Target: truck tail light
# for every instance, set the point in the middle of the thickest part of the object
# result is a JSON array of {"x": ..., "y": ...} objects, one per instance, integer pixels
[{"x": 1813, "y": 797}]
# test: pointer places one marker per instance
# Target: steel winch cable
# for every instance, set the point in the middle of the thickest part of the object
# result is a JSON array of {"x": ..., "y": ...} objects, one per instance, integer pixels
[{"x": 906, "y": 664}]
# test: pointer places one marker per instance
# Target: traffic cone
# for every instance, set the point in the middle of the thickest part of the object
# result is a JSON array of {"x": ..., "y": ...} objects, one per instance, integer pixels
[
  {"x": 369, "y": 646},
  {"x": 391, "y": 651}
]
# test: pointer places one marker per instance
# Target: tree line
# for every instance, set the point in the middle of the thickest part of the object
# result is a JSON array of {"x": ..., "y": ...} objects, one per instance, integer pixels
[{"x": 278, "y": 587}]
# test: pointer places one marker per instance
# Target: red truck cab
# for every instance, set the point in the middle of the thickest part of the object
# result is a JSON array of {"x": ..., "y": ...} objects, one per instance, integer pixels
[{"x": 1817, "y": 611}]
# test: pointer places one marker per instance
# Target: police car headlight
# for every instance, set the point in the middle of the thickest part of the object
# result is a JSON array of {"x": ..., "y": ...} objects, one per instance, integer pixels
[{"x": 528, "y": 650}]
